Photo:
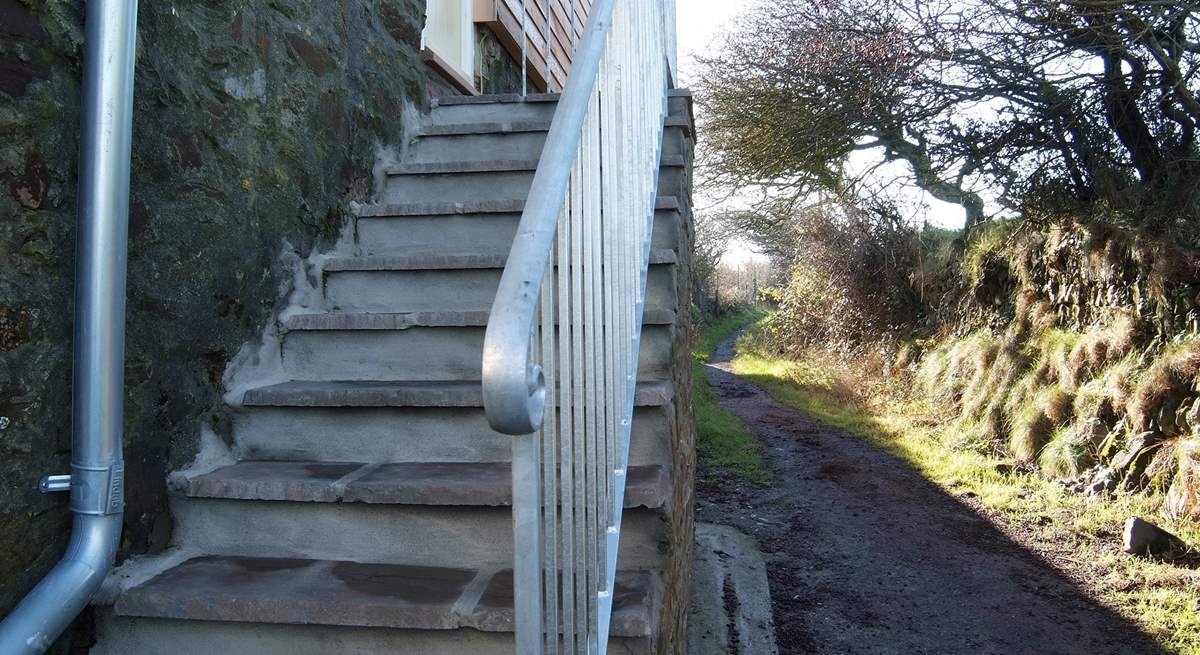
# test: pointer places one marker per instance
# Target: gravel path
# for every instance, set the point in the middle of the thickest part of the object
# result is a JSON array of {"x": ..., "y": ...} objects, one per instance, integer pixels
[{"x": 866, "y": 556}]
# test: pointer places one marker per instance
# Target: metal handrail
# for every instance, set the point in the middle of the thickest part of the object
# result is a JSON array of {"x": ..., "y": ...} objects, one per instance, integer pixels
[
  {"x": 514, "y": 393},
  {"x": 96, "y": 482},
  {"x": 574, "y": 282}
]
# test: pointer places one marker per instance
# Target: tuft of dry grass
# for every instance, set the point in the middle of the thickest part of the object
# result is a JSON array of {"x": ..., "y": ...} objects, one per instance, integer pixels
[
  {"x": 1034, "y": 311},
  {"x": 1066, "y": 455},
  {"x": 1183, "y": 498},
  {"x": 1031, "y": 430},
  {"x": 1164, "y": 387}
]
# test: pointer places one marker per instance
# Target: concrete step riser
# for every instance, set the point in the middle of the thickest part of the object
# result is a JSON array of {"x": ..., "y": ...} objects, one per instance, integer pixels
[
  {"x": 516, "y": 112},
  {"x": 421, "y": 353},
  {"x": 418, "y": 235},
  {"x": 473, "y": 187},
  {"x": 381, "y": 435},
  {"x": 513, "y": 112},
  {"x": 446, "y": 290},
  {"x": 512, "y": 145},
  {"x": 382, "y": 534},
  {"x": 143, "y": 636}
]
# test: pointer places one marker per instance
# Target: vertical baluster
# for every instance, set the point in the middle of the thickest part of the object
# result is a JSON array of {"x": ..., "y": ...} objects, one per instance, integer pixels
[
  {"x": 524, "y": 48},
  {"x": 549, "y": 36},
  {"x": 574, "y": 321},
  {"x": 550, "y": 508},
  {"x": 624, "y": 120},
  {"x": 588, "y": 328},
  {"x": 611, "y": 234},
  {"x": 566, "y": 442},
  {"x": 596, "y": 445},
  {"x": 527, "y": 561},
  {"x": 608, "y": 220}
]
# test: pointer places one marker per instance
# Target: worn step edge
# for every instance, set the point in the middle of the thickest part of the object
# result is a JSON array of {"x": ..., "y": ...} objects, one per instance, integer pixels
[
  {"x": 431, "y": 262},
  {"x": 493, "y": 98},
  {"x": 496, "y": 166},
  {"x": 404, "y": 393},
  {"x": 487, "y": 484},
  {"x": 486, "y": 127},
  {"x": 488, "y": 98},
  {"x": 397, "y": 210},
  {"x": 334, "y": 321},
  {"x": 354, "y": 594},
  {"x": 514, "y": 127}
]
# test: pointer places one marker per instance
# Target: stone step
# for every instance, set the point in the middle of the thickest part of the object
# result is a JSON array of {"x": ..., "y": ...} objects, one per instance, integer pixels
[
  {"x": 486, "y": 484},
  {"x": 419, "y": 535},
  {"x": 513, "y": 140},
  {"x": 401, "y": 346},
  {"x": 490, "y": 179},
  {"x": 491, "y": 108},
  {"x": 238, "y": 605},
  {"x": 451, "y": 282},
  {"x": 120, "y": 635},
  {"x": 447, "y": 261},
  {"x": 409, "y": 434},
  {"x": 403, "y": 393},
  {"x": 336, "y": 322},
  {"x": 415, "y": 228},
  {"x": 512, "y": 107}
]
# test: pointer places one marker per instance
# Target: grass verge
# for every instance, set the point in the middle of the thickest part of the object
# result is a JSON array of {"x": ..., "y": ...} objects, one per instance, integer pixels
[
  {"x": 1080, "y": 537},
  {"x": 723, "y": 444}
]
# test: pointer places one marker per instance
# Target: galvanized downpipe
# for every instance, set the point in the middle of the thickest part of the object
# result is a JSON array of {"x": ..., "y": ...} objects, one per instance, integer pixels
[{"x": 96, "y": 481}]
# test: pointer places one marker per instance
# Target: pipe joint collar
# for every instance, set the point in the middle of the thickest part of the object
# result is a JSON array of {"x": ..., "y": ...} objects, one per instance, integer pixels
[{"x": 98, "y": 491}]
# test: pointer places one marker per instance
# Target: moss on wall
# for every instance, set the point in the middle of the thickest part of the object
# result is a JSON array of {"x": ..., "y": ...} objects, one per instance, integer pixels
[{"x": 254, "y": 122}]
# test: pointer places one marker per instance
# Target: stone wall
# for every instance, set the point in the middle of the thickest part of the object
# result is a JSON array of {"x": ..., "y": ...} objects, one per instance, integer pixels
[
  {"x": 254, "y": 122},
  {"x": 1088, "y": 273},
  {"x": 1076, "y": 350},
  {"x": 682, "y": 527}
]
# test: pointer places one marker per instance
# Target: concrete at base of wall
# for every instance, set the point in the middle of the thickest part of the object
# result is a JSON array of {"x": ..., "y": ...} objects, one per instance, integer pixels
[{"x": 731, "y": 602}]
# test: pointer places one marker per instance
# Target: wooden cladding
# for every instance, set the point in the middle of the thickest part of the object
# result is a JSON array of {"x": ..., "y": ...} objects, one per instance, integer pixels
[{"x": 550, "y": 44}]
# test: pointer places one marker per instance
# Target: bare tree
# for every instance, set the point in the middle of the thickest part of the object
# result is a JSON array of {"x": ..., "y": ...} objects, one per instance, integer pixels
[
  {"x": 711, "y": 242},
  {"x": 1058, "y": 104}
]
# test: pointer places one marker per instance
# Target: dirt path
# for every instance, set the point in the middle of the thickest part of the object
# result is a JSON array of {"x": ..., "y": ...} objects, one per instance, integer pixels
[{"x": 866, "y": 556}]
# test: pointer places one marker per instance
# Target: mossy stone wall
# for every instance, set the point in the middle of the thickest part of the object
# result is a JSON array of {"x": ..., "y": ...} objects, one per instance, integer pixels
[{"x": 255, "y": 122}]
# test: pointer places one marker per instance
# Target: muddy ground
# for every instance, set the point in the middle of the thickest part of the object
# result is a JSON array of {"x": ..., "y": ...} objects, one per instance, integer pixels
[{"x": 864, "y": 555}]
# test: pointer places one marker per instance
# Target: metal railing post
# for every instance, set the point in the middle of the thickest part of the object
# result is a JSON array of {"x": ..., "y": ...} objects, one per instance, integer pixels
[
  {"x": 576, "y": 276},
  {"x": 96, "y": 482}
]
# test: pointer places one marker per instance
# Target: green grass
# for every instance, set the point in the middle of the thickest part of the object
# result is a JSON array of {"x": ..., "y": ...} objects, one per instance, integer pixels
[
  {"x": 1162, "y": 598},
  {"x": 714, "y": 331},
  {"x": 723, "y": 443}
]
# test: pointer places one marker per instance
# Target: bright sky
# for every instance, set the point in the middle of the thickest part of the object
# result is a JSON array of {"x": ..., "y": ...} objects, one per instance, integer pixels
[{"x": 700, "y": 25}]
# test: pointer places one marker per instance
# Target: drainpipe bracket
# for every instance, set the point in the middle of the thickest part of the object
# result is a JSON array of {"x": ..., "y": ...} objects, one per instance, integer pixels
[
  {"x": 53, "y": 483},
  {"x": 98, "y": 491}
]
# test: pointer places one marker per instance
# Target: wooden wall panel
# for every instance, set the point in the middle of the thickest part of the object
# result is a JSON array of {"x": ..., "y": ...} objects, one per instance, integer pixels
[{"x": 549, "y": 39}]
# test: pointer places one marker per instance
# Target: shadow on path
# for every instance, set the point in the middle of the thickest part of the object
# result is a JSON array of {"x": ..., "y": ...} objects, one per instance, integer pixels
[{"x": 866, "y": 556}]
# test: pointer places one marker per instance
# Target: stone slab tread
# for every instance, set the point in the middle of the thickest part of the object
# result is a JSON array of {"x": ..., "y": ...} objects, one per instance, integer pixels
[
  {"x": 493, "y": 98},
  {"x": 335, "y": 321},
  {"x": 497, "y": 166},
  {"x": 396, "y": 210},
  {"x": 354, "y": 594},
  {"x": 442, "y": 262},
  {"x": 486, "y": 484},
  {"x": 403, "y": 393},
  {"x": 512, "y": 127}
]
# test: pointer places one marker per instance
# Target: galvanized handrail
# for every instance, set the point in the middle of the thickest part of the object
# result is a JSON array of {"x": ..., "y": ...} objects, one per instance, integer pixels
[
  {"x": 96, "y": 482},
  {"x": 561, "y": 349}
]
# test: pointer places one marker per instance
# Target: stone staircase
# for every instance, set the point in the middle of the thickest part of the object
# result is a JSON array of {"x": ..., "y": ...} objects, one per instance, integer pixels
[{"x": 366, "y": 505}]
